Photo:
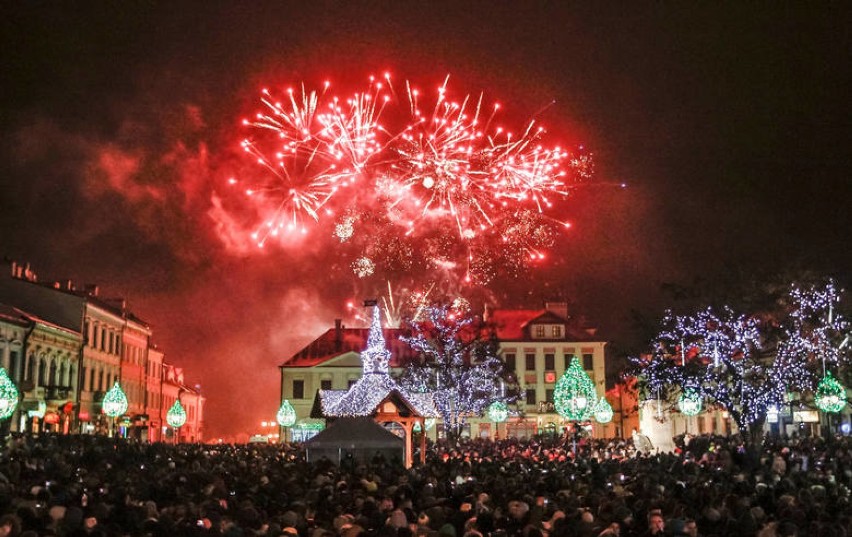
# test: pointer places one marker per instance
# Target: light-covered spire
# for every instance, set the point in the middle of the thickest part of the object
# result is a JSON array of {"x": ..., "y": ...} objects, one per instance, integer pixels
[{"x": 376, "y": 358}]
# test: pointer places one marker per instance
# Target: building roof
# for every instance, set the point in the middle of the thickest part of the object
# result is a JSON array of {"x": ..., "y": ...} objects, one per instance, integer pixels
[
  {"x": 355, "y": 432},
  {"x": 20, "y": 317},
  {"x": 339, "y": 341},
  {"x": 512, "y": 324},
  {"x": 363, "y": 397}
]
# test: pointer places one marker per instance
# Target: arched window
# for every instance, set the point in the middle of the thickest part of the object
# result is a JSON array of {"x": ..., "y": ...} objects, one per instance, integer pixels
[
  {"x": 31, "y": 359},
  {"x": 42, "y": 372},
  {"x": 52, "y": 378},
  {"x": 92, "y": 380},
  {"x": 101, "y": 381},
  {"x": 63, "y": 379},
  {"x": 15, "y": 365}
]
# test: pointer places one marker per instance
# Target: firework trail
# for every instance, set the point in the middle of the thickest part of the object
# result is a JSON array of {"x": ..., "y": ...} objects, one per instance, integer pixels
[{"x": 443, "y": 189}]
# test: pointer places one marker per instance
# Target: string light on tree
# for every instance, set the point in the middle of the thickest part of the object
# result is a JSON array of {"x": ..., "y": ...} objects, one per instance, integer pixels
[
  {"x": 8, "y": 395},
  {"x": 830, "y": 395},
  {"x": 574, "y": 395},
  {"x": 114, "y": 403},
  {"x": 286, "y": 415},
  {"x": 176, "y": 416}
]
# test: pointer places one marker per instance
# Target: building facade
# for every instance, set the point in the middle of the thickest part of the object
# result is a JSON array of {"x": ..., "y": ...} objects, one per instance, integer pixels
[
  {"x": 66, "y": 347},
  {"x": 536, "y": 346}
]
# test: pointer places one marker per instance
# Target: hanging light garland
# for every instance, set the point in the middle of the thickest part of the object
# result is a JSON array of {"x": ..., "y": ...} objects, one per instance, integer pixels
[
  {"x": 286, "y": 415},
  {"x": 830, "y": 394},
  {"x": 498, "y": 412},
  {"x": 689, "y": 402},
  {"x": 574, "y": 395},
  {"x": 603, "y": 412},
  {"x": 114, "y": 402},
  {"x": 8, "y": 395},
  {"x": 176, "y": 416}
]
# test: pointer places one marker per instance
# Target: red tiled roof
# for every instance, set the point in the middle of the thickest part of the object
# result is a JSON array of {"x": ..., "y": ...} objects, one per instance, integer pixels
[
  {"x": 511, "y": 324},
  {"x": 327, "y": 347}
]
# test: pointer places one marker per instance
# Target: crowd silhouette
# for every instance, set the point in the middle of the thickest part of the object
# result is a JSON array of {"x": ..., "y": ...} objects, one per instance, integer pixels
[{"x": 540, "y": 487}]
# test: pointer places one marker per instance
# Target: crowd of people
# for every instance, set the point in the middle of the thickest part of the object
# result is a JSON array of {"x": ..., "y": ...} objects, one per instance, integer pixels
[{"x": 541, "y": 487}]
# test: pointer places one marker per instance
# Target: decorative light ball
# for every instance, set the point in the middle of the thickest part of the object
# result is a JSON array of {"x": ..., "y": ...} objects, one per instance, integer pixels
[
  {"x": 689, "y": 403},
  {"x": 498, "y": 412},
  {"x": 830, "y": 395},
  {"x": 428, "y": 182},
  {"x": 603, "y": 412},
  {"x": 176, "y": 416},
  {"x": 8, "y": 395},
  {"x": 115, "y": 402},
  {"x": 286, "y": 415},
  {"x": 574, "y": 395}
]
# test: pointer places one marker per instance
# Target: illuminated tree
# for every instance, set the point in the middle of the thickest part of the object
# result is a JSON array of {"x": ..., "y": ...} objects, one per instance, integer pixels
[
  {"x": 743, "y": 364},
  {"x": 8, "y": 395},
  {"x": 459, "y": 365}
]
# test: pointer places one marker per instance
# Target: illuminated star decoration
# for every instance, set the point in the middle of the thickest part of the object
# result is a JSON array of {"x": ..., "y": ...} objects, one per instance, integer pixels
[
  {"x": 176, "y": 416},
  {"x": 286, "y": 415},
  {"x": 574, "y": 395},
  {"x": 8, "y": 395},
  {"x": 115, "y": 402},
  {"x": 435, "y": 165}
]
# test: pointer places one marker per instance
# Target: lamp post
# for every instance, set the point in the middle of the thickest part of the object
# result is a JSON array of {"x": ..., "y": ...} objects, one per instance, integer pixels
[{"x": 114, "y": 404}]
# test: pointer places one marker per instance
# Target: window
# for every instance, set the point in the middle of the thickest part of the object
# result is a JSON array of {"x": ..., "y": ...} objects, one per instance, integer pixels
[
  {"x": 352, "y": 382},
  {"x": 539, "y": 330},
  {"x": 510, "y": 361},
  {"x": 530, "y": 359},
  {"x": 531, "y": 396},
  {"x": 549, "y": 361},
  {"x": 548, "y": 396},
  {"x": 103, "y": 339},
  {"x": 325, "y": 384},
  {"x": 42, "y": 372},
  {"x": 568, "y": 358},
  {"x": 92, "y": 381},
  {"x": 298, "y": 389},
  {"x": 556, "y": 331},
  {"x": 588, "y": 362}
]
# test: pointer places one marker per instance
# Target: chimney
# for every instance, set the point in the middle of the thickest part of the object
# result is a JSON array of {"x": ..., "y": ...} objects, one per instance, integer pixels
[
  {"x": 338, "y": 334},
  {"x": 557, "y": 308},
  {"x": 91, "y": 289},
  {"x": 14, "y": 269}
]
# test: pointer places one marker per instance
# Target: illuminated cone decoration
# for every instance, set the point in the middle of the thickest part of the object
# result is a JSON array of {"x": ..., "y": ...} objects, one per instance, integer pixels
[
  {"x": 830, "y": 394},
  {"x": 176, "y": 416},
  {"x": 286, "y": 415},
  {"x": 689, "y": 403},
  {"x": 603, "y": 412},
  {"x": 498, "y": 412},
  {"x": 574, "y": 395},
  {"x": 8, "y": 395},
  {"x": 115, "y": 402}
]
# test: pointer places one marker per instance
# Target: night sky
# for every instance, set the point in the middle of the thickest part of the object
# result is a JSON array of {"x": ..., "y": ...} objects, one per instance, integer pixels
[{"x": 120, "y": 125}]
